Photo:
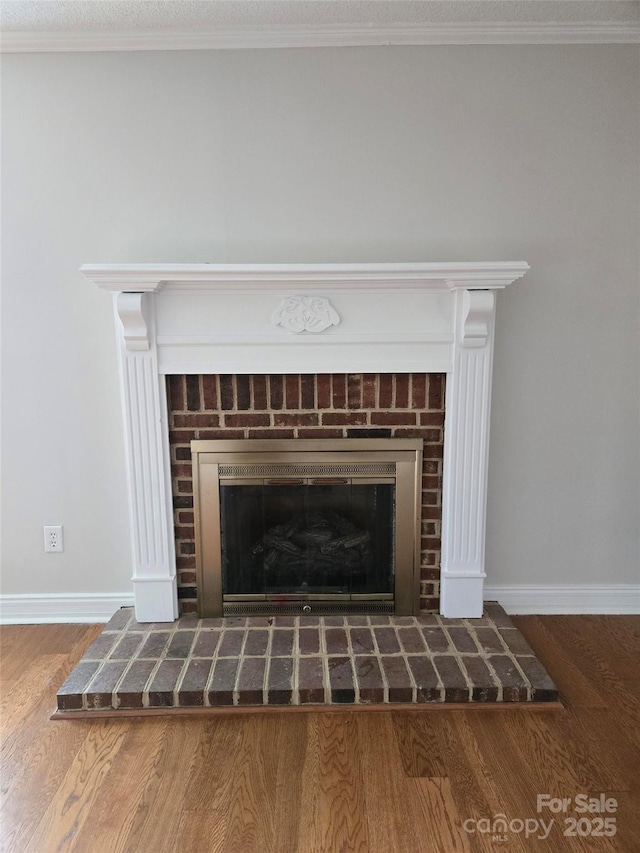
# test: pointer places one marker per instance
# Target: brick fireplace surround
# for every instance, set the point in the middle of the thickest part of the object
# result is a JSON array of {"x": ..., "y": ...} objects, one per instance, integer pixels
[
  {"x": 353, "y": 320},
  {"x": 341, "y": 405}
]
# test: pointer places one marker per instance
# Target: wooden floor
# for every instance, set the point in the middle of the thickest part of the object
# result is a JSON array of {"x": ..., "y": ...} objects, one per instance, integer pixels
[{"x": 380, "y": 781}]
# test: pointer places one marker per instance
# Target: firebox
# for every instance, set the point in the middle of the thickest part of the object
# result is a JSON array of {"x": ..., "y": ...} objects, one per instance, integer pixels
[{"x": 307, "y": 526}]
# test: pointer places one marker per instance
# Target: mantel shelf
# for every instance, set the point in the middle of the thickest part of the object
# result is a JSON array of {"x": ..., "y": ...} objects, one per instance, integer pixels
[{"x": 484, "y": 275}]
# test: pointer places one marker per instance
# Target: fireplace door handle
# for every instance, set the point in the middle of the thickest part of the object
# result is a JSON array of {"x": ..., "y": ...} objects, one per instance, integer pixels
[
  {"x": 284, "y": 482},
  {"x": 330, "y": 481}
]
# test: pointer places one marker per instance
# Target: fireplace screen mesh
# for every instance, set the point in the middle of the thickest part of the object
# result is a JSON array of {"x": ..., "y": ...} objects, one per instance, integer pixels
[{"x": 305, "y": 538}]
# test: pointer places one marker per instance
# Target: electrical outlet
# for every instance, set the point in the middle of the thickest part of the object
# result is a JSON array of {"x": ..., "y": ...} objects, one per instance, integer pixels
[{"x": 53, "y": 540}]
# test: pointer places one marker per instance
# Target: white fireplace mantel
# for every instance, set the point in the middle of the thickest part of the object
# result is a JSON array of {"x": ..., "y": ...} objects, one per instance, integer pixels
[{"x": 306, "y": 318}]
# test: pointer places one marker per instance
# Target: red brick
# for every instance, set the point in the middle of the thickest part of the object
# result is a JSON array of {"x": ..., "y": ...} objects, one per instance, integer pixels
[
  {"x": 275, "y": 391},
  {"x": 185, "y": 517},
  {"x": 227, "y": 401},
  {"x": 217, "y": 434},
  {"x": 430, "y": 467},
  {"x": 187, "y": 578},
  {"x": 176, "y": 393},
  {"x": 306, "y": 419},
  {"x": 187, "y": 548},
  {"x": 259, "y": 384},
  {"x": 210, "y": 392},
  {"x": 181, "y": 436},
  {"x": 181, "y": 470},
  {"x": 432, "y": 419},
  {"x": 344, "y": 418},
  {"x": 354, "y": 390},
  {"x": 184, "y": 532},
  {"x": 436, "y": 390},
  {"x": 402, "y": 390},
  {"x": 307, "y": 391},
  {"x": 369, "y": 388},
  {"x": 196, "y": 420},
  {"x": 431, "y": 512},
  {"x": 320, "y": 433},
  {"x": 431, "y": 436},
  {"x": 183, "y": 453},
  {"x": 243, "y": 392},
  {"x": 385, "y": 390},
  {"x": 185, "y": 487},
  {"x": 323, "y": 382},
  {"x": 339, "y": 390},
  {"x": 185, "y": 562},
  {"x": 433, "y": 451},
  {"x": 292, "y": 391},
  {"x": 431, "y": 482},
  {"x": 247, "y": 420},
  {"x": 430, "y": 543},
  {"x": 393, "y": 418},
  {"x": 269, "y": 432},
  {"x": 193, "y": 393},
  {"x": 418, "y": 390},
  {"x": 429, "y": 604},
  {"x": 187, "y": 606},
  {"x": 432, "y": 574},
  {"x": 429, "y": 498}
]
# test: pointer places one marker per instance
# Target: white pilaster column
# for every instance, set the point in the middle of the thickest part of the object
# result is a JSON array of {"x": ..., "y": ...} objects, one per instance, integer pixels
[
  {"x": 466, "y": 445},
  {"x": 146, "y": 435}
]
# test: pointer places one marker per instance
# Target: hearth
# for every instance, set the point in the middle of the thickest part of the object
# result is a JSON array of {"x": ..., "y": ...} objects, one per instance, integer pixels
[{"x": 305, "y": 526}]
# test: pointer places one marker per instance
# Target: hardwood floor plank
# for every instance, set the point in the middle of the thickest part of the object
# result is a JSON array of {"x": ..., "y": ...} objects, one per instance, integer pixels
[
  {"x": 333, "y": 789},
  {"x": 23, "y": 802},
  {"x": 250, "y": 825},
  {"x": 391, "y": 823},
  {"x": 575, "y": 687},
  {"x": 441, "y": 815},
  {"x": 592, "y": 661},
  {"x": 73, "y": 802},
  {"x": 133, "y": 763},
  {"x": 476, "y": 792},
  {"x": 291, "y": 747},
  {"x": 592, "y": 739},
  {"x": 25, "y": 691},
  {"x": 419, "y": 745},
  {"x": 505, "y": 761},
  {"x": 204, "y": 820},
  {"x": 157, "y": 818}
]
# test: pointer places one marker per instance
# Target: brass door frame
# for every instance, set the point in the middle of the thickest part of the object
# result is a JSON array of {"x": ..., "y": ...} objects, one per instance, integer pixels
[{"x": 209, "y": 456}]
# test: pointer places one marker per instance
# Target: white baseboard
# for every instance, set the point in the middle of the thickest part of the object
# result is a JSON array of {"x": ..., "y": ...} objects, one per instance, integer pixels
[
  {"x": 61, "y": 607},
  {"x": 539, "y": 599},
  {"x": 564, "y": 599}
]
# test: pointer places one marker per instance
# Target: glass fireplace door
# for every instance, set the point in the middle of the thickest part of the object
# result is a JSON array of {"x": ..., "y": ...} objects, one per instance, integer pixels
[
  {"x": 318, "y": 539},
  {"x": 293, "y": 526}
]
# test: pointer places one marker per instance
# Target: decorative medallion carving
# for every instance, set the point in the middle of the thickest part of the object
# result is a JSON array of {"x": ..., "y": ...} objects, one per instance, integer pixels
[{"x": 305, "y": 314}]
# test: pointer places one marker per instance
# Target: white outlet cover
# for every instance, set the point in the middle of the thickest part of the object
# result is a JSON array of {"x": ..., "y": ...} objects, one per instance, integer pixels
[{"x": 53, "y": 541}]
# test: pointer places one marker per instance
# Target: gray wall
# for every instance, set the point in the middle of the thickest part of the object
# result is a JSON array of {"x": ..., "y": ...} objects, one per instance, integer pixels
[{"x": 372, "y": 154}]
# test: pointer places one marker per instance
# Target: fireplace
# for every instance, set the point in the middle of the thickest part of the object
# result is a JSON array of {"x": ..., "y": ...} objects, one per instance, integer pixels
[
  {"x": 199, "y": 319},
  {"x": 304, "y": 526}
]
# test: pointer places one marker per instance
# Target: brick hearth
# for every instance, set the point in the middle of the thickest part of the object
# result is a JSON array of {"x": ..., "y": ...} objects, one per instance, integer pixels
[
  {"x": 342, "y": 405},
  {"x": 305, "y": 660}
]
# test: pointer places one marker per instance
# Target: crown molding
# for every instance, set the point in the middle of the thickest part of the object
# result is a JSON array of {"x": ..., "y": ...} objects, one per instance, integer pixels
[{"x": 343, "y": 35}]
